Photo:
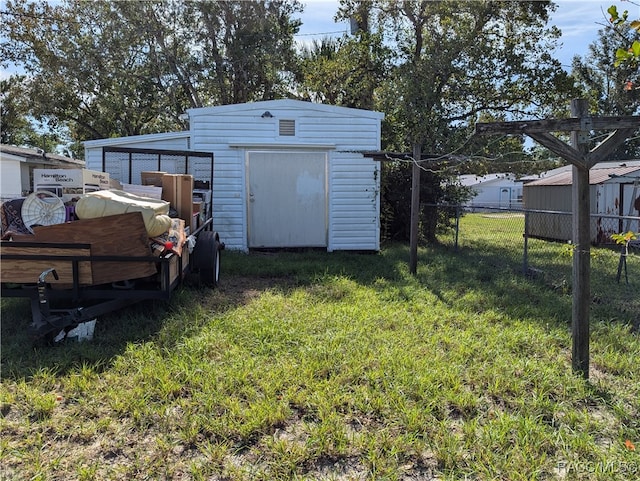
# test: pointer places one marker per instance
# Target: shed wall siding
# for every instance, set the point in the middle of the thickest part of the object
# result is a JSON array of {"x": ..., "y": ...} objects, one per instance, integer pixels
[
  {"x": 353, "y": 212},
  {"x": 26, "y": 176},
  {"x": 551, "y": 198},
  {"x": 616, "y": 199},
  {"x": 354, "y": 222},
  {"x": 548, "y": 197},
  {"x": 557, "y": 198},
  {"x": 229, "y": 193},
  {"x": 345, "y": 132}
]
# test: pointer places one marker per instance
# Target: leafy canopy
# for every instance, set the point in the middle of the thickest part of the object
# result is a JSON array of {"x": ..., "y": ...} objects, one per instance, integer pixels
[{"x": 114, "y": 68}]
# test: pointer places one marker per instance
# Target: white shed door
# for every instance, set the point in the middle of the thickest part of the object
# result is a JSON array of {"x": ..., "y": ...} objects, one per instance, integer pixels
[{"x": 287, "y": 204}]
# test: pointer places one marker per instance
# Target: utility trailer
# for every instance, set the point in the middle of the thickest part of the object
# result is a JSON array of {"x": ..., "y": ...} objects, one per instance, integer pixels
[{"x": 94, "y": 266}]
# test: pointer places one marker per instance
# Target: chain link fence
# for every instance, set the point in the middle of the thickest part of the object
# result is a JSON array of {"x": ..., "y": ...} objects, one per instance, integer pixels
[{"x": 537, "y": 244}]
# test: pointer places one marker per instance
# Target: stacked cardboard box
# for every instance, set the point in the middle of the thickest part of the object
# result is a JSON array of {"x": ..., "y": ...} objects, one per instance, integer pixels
[
  {"x": 152, "y": 178},
  {"x": 177, "y": 189}
]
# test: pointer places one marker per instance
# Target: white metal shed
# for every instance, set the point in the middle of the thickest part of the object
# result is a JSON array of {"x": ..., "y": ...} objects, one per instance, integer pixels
[{"x": 287, "y": 173}]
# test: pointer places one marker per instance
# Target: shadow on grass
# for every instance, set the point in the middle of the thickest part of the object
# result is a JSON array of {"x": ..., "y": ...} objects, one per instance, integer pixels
[
  {"x": 466, "y": 279},
  {"x": 22, "y": 357},
  {"x": 492, "y": 276},
  {"x": 166, "y": 323},
  {"x": 495, "y": 280}
]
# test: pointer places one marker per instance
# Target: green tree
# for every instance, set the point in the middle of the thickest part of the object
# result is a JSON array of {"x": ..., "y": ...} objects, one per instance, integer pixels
[
  {"x": 117, "y": 68},
  {"x": 248, "y": 48},
  {"x": 455, "y": 62},
  {"x": 607, "y": 86},
  {"x": 16, "y": 127},
  {"x": 345, "y": 71},
  {"x": 458, "y": 60}
]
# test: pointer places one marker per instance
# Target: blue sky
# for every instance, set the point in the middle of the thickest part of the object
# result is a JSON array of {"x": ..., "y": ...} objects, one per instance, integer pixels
[{"x": 579, "y": 21}]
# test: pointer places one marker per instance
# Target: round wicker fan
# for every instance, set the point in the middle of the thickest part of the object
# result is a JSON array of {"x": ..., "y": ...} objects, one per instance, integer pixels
[{"x": 42, "y": 208}]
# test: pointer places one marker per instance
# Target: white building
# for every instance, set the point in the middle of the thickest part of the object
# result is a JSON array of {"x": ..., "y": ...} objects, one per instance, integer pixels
[
  {"x": 493, "y": 190},
  {"x": 287, "y": 173},
  {"x": 17, "y": 164}
]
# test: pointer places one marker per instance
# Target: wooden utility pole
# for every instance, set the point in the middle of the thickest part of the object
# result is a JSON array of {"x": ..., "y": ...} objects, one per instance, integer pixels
[
  {"x": 581, "y": 233},
  {"x": 582, "y": 159},
  {"x": 415, "y": 210}
]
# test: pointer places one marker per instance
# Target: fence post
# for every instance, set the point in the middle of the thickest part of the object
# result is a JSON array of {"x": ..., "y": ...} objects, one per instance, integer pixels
[
  {"x": 525, "y": 255},
  {"x": 457, "y": 227},
  {"x": 415, "y": 209}
]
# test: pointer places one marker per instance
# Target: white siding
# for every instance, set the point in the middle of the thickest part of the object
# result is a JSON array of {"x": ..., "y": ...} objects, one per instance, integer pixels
[
  {"x": 346, "y": 133},
  {"x": 230, "y": 131},
  {"x": 354, "y": 200},
  {"x": 489, "y": 193},
  {"x": 11, "y": 179},
  {"x": 346, "y": 129},
  {"x": 229, "y": 209},
  {"x": 354, "y": 203}
]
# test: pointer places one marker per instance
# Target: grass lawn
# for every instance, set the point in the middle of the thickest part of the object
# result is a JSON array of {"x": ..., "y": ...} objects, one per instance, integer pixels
[{"x": 319, "y": 366}]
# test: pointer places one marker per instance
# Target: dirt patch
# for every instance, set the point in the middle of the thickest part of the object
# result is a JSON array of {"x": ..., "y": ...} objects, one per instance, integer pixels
[{"x": 235, "y": 291}]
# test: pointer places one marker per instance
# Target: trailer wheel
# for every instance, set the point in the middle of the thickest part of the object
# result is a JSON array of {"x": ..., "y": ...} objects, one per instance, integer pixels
[{"x": 206, "y": 258}]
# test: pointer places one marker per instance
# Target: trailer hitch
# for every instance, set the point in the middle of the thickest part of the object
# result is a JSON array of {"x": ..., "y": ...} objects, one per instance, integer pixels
[
  {"x": 44, "y": 321},
  {"x": 42, "y": 291},
  {"x": 50, "y": 322}
]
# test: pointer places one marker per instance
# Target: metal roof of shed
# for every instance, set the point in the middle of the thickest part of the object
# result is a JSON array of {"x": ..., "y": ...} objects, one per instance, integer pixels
[{"x": 596, "y": 176}]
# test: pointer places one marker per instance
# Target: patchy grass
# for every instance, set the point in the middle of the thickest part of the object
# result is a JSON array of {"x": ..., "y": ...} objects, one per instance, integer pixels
[{"x": 329, "y": 366}]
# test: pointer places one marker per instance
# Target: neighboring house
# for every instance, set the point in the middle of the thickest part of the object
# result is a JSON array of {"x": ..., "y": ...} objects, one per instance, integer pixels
[
  {"x": 614, "y": 191},
  {"x": 287, "y": 173},
  {"x": 17, "y": 164},
  {"x": 493, "y": 190}
]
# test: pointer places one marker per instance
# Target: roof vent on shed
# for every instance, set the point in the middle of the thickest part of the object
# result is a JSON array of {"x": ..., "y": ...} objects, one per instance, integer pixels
[{"x": 287, "y": 127}]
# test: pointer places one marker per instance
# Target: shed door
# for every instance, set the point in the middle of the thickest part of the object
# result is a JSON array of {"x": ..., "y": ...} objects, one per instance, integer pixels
[{"x": 287, "y": 199}]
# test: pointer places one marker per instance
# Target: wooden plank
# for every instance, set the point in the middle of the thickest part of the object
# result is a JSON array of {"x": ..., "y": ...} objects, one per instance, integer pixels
[
  {"x": 173, "y": 271},
  {"x": 120, "y": 235},
  {"x": 608, "y": 145},
  {"x": 560, "y": 148},
  {"x": 563, "y": 125},
  {"x": 27, "y": 271}
]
